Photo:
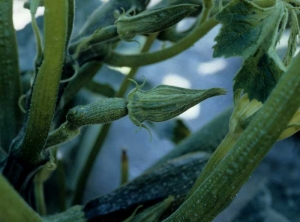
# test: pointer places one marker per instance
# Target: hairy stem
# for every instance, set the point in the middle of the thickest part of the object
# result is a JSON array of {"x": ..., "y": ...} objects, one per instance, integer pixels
[
  {"x": 216, "y": 158},
  {"x": 45, "y": 89}
]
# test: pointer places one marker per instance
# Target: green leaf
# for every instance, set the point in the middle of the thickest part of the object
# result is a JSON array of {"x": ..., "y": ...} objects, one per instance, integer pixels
[
  {"x": 248, "y": 26},
  {"x": 259, "y": 75}
]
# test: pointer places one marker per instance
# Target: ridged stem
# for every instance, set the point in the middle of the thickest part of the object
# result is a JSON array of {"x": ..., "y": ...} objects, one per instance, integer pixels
[
  {"x": 47, "y": 82},
  {"x": 215, "y": 159},
  {"x": 10, "y": 82}
]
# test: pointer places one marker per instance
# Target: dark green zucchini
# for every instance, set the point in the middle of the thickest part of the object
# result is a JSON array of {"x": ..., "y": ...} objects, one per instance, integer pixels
[{"x": 175, "y": 178}]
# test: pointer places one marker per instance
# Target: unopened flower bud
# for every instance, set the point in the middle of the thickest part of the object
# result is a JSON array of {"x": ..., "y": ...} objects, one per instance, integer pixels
[
  {"x": 164, "y": 102},
  {"x": 100, "y": 35},
  {"x": 101, "y": 112},
  {"x": 151, "y": 21},
  {"x": 243, "y": 112}
]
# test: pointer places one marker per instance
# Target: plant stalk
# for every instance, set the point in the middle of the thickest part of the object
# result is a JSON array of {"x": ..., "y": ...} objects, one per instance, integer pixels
[{"x": 45, "y": 89}]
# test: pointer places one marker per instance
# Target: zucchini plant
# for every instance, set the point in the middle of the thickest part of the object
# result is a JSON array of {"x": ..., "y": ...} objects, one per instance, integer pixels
[{"x": 197, "y": 179}]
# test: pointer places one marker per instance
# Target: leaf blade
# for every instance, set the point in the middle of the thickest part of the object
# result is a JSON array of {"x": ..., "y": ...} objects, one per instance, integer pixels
[{"x": 246, "y": 27}]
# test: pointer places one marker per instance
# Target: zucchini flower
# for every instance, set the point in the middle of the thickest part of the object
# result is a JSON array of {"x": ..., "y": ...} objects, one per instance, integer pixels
[
  {"x": 164, "y": 102},
  {"x": 245, "y": 110}
]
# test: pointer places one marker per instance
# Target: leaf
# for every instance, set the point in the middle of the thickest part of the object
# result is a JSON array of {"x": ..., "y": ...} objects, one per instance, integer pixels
[
  {"x": 259, "y": 75},
  {"x": 248, "y": 26},
  {"x": 292, "y": 42}
]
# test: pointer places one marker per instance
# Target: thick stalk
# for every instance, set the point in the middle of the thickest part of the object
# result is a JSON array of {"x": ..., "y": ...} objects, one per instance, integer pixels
[
  {"x": 10, "y": 87},
  {"x": 117, "y": 59},
  {"x": 13, "y": 207},
  {"x": 216, "y": 158},
  {"x": 45, "y": 89},
  {"x": 220, "y": 187}
]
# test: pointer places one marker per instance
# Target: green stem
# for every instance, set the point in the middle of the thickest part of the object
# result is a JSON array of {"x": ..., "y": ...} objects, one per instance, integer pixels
[
  {"x": 221, "y": 186},
  {"x": 207, "y": 5},
  {"x": 40, "y": 199},
  {"x": 61, "y": 182},
  {"x": 84, "y": 175},
  {"x": 46, "y": 85},
  {"x": 117, "y": 59},
  {"x": 39, "y": 48},
  {"x": 124, "y": 167},
  {"x": 40, "y": 177},
  {"x": 215, "y": 159},
  {"x": 13, "y": 207},
  {"x": 10, "y": 83},
  {"x": 71, "y": 12}
]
